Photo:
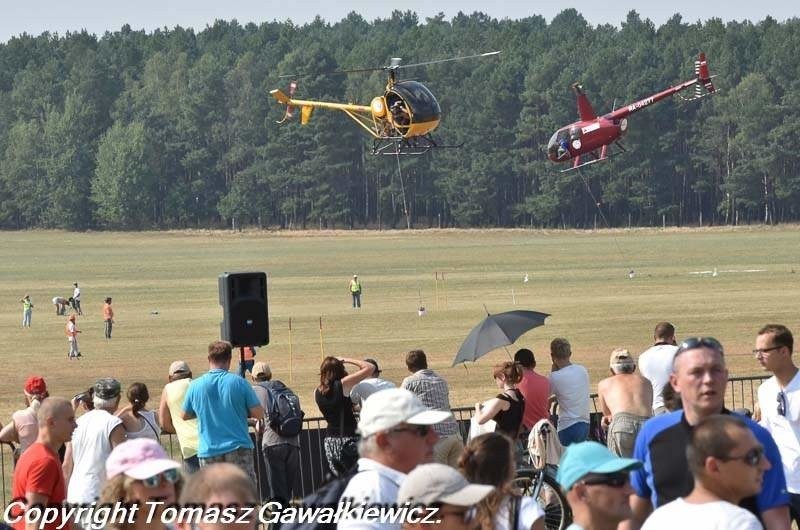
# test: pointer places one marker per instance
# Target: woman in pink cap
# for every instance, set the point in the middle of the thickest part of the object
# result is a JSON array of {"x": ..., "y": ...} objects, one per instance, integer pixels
[
  {"x": 137, "y": 472},
  {"x": 24, "y": 427}
]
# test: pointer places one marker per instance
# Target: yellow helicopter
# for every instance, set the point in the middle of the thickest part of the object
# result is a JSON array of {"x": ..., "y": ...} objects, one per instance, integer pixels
[{"x": 400, "y": 121}]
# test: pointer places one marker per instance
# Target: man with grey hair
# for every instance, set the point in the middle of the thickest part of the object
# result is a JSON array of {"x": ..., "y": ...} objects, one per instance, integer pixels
[
  {"x": 569, "y": 385},
  {"x": 97, "y": 433},
  {"x": 396, "y": 436},
  {"x": 626, "y": 400}
]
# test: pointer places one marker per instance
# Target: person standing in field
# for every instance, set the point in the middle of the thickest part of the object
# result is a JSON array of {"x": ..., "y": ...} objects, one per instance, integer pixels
[
  {"x": 108, "y": 317},
  {"x": 27, "y": 310},
  {"x": 76, "y": 299},
  {"x": 72, "y": 338},
  {"x": 355, "y": 291}
]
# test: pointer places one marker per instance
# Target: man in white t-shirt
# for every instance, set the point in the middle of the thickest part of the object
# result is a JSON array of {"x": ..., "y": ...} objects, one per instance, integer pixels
[
  {"x": 98, "y": 432},
  {"x": 569, "y": 385},
  {"x": 396, "y": 436},
  {"x": 369, "y": 386},
  {"x": 76, "y": 299},
  {"x": 728, "y": 464},
  {"x": 655, "y": 363},
  {"x": 779, "y": 401}
]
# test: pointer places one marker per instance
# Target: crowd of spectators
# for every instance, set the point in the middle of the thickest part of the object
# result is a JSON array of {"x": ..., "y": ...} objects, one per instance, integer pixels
[{"x": 674, "y": 455}]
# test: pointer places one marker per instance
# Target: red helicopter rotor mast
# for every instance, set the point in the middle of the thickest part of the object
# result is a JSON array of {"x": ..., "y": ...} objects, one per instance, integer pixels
[{"x": 702, "y": 77}]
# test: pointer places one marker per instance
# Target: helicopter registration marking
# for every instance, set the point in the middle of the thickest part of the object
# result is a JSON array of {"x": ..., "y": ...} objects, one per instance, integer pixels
[
  {"x": 590, "y": 128},
  {"x": 639, "y": 104}
]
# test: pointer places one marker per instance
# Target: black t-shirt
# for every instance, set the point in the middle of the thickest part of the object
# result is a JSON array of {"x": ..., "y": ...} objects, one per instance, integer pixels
[
  {"x": 337, "y": 409},
  {"x": 509, "y": 421}
]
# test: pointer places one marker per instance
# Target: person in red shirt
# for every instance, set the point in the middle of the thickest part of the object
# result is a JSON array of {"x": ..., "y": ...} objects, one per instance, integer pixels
[
  {"x": 535, "y": 389},
  {"x": 38, "y": 479}
]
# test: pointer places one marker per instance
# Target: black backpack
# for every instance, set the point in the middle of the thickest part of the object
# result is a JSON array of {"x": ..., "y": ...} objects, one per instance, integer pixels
[
  {"x": 284, "y": 416},
  {"x": 327, "y": 496}
]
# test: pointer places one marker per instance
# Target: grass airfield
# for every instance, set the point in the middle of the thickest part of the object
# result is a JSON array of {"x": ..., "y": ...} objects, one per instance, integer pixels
[{"x": 164, "y": 286}]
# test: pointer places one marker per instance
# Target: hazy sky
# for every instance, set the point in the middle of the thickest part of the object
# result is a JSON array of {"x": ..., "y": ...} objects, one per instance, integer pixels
[{"x": 97, "y": 16}]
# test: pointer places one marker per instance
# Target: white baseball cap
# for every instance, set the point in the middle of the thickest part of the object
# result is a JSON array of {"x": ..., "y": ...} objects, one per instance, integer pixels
[
  {"x": 429, "y": 484},
  {"x": 389, "y": 408}
]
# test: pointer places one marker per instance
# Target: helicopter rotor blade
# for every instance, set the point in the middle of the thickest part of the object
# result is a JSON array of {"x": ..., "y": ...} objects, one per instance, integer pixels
[{"x": 451, "y": 59}]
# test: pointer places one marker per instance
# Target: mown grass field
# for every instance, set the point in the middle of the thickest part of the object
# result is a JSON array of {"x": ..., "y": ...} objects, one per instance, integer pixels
[{"x": 581, "y": 278}]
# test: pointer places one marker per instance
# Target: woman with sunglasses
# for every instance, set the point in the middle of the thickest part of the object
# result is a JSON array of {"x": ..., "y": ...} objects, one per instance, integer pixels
[
  {"x": 489, "y": 459},
  {"x": 508, "y": 407},
  {"x": 140, "y": 471}
]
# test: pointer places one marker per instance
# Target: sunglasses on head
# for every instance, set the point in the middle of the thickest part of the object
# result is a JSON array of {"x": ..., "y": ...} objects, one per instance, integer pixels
[
  {"x": 613, "y": 480},
  {"x": 699, "y": 342},
  {"x": 782, "y": 404},
  {"x": 170, "y": 476},
  {"x": 751, "y": 458},
  {"x": 419, "y": 430}
]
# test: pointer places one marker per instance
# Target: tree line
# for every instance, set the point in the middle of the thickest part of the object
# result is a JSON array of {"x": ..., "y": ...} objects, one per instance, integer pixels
[{"x": 175, "y": 128}]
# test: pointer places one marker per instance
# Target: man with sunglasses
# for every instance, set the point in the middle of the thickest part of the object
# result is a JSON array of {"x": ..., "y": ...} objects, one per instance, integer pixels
[
  {"x": 779, "y": 401},
  {"x": 700, "y": 377},
  {"x": 728, "y": 464},
  {"x": 597, "y": 486},
  {"x": 396, "y": 436}
]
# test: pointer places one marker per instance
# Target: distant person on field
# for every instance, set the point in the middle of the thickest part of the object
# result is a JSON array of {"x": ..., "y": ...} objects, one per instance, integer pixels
[
  {"x": 72, "y": 331},
  {"x": 38, "y": 479},
  {"x": 61, "y": 304},
  {"x": 139, "y": 422},
  {"x": 24, "y": 426},
  {"x": 779, "y": 401},
  {"x": 170, "y": 410},
  {"x": 76, "y": 299},
  {"x": 535, "y": 389},
  {"x": 655, "y": 363},
  {"x": 626, "y": 401},
  {"x": 108, "y": 317},
  {"x": 355, "y": 291},
  {"x": 434, "y": 393},
  {"x": 569, "y": 385},
  {"x": 728, "y": 464},
  {"x": 369, "y": 386},
  {"x": 97, "y": 433},
  {"x": 223, "y": 402},
  {"x": 333, "y": 399},
  {"x": 27, "y": 311},
  {"x": 281, "y": 453}
]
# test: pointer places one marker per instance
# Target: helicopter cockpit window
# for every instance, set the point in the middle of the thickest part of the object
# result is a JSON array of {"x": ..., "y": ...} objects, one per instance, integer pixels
[
  {"x": 421, "y": 104},
  {"x": 400, "y": 114},
  {"x": 558, "y": 146}
]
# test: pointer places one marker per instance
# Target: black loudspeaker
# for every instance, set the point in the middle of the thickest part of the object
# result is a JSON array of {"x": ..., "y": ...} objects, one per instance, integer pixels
[{"x": 243, "y": 297}]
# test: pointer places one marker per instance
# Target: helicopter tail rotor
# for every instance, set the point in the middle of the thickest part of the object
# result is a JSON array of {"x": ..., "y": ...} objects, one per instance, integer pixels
[
  {"x": 285, "y": 100},
  {"x": 703, "y": 80}
]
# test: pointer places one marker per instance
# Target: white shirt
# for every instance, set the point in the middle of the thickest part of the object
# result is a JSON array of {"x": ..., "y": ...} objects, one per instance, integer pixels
[
  {"x": 719, "y": 515},
  {"x": 76, "y": 294},
  {"x": 571, "y": 387},
  {"x": 91, "y": 446},
  {"x": 784, "y": 429},
  {"x": 655, "y": 364},
  {"x": 373, "y": 484},
  {"x": 71, "y": 329},
  {"x": 529, "y": 512},
  {"x": 367, "y": 387},
  {"x": 150, "y": 427}
]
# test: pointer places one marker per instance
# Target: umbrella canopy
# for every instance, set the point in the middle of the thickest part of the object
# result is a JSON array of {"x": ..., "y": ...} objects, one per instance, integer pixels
[{"x": 496, "y": 331}]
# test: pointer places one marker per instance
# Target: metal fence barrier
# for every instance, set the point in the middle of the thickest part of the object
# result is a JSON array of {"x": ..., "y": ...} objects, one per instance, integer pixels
[{"x": 741, "y": 392}]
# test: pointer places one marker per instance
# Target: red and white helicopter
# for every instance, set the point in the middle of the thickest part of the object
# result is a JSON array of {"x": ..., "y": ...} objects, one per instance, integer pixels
[{"x": 592, "y": 135}]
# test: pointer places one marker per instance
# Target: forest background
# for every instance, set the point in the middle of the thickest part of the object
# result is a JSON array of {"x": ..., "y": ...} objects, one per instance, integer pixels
[{"x": 175, "y": 129}]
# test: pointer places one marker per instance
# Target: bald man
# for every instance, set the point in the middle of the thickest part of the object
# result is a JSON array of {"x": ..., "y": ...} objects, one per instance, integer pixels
[{"x": 38, "y": 478}]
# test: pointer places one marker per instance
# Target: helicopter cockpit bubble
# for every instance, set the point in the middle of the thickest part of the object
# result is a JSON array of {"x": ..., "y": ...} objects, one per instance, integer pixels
[{"x": 558, "y": 146}]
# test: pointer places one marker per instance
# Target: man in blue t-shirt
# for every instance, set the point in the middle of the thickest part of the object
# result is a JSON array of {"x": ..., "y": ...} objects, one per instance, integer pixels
[
  {"x": 700, "y": 377},
  {"x": 222, "y": 403}
]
